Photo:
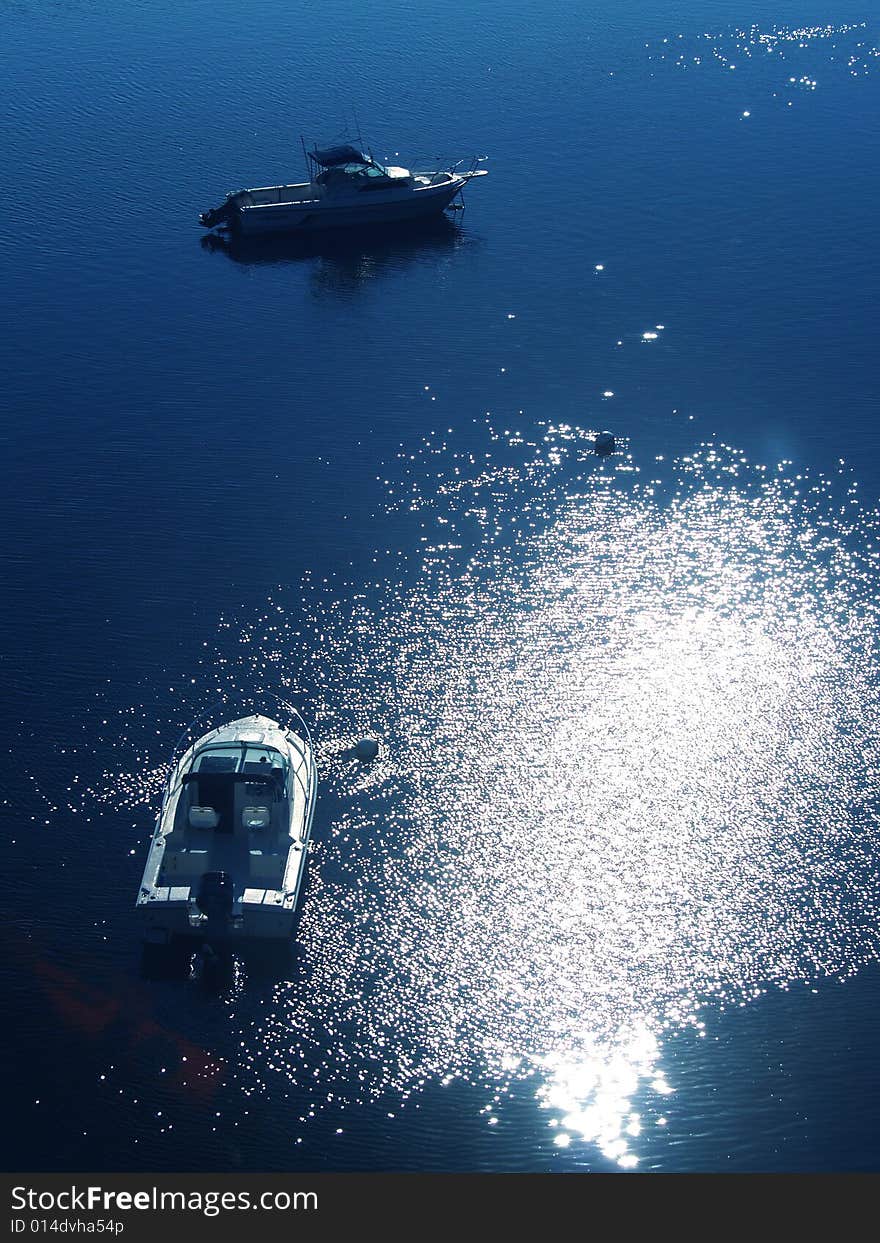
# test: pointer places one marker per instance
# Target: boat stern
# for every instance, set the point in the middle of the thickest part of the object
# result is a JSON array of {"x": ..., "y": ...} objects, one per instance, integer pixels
[
  {"x": 214, "y": 911},
  {"x": 226, "y": 214}
]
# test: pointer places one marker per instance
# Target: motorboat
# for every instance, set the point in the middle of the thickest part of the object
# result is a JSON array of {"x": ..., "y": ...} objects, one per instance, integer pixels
[
  {"x": 347, "y": 188},
  {"x": 228, "y": 853}
]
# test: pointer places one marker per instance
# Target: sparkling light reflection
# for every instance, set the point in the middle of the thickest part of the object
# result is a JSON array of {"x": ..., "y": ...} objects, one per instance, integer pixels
[
  {"x": 630, "y": 770},
  {"x": 844, "y": 50},
  {"x": 593, "y": 1095},
  {"x": 619, "y": 785}
]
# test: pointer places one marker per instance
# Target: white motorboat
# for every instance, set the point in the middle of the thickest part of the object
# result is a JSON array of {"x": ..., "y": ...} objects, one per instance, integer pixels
[
  {"x": 228, "y": 853},
  {"x": 346, "y": 188}
]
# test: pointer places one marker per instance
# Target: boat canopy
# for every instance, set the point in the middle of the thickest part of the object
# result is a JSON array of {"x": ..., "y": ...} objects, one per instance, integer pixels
[{"x": 329, "y": 157}]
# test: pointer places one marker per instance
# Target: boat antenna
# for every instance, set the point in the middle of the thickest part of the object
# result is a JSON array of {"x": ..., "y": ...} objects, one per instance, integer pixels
[
  {"x": 306, "y": 155},
  {"x": 358, "y": 128}
]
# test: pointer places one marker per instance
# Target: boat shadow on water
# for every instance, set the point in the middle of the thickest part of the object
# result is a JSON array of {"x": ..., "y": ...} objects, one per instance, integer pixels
[{"x": 347, "y": 257}]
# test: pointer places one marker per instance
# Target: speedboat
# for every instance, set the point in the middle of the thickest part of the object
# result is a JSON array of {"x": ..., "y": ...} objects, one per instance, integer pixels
[
  {"x": 228, "y": 853},
  {"x": 346, "y": 188}
]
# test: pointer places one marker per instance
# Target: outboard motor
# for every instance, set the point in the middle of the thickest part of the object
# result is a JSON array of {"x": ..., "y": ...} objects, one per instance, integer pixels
[
  {"x": 214, "y": 899},
  {"x": 217, "y": 215}
]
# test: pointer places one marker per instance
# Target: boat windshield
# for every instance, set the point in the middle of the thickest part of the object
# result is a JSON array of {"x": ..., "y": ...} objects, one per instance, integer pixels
[
  {"x": 237, "y": 757},
  {"x": 362, "y": 170},
  {"x": 352, "y": 170}
]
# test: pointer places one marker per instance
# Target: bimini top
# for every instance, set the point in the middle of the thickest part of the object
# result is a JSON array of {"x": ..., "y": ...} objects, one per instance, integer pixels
[{"x": 331, "y": 156}]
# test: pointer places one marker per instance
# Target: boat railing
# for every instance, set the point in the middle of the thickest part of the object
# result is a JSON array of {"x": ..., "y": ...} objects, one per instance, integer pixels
[
  {"x": 199, "y": 726},
  {"x": 472, "y": 166}
]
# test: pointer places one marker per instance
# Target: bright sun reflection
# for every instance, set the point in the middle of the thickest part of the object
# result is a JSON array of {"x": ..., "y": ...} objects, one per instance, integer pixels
[{"x": 593, "y": 1095}]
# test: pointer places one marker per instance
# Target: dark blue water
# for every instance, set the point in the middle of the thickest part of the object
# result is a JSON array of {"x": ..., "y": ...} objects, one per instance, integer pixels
[{"x": 610, "y": 899}]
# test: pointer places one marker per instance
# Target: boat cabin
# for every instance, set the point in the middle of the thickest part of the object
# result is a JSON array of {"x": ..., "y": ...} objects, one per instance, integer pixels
[{"x": 346, "y": 167}]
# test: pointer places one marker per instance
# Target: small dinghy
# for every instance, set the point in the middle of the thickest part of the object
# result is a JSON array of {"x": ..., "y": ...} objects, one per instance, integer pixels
[{"x": 228, "y": 854}]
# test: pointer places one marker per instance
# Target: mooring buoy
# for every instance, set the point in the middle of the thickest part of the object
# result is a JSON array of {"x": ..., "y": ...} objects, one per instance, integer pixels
[
  {"x": 367, "y": 749},
  {"x": 603, "y": 443}
]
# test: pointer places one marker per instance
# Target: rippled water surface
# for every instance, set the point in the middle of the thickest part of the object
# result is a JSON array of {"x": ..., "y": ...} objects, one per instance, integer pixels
[{"x": 609, "y": 897}]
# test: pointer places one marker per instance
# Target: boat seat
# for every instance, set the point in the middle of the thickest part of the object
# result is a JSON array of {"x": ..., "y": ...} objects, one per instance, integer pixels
[
  {"x": 256, "y": 817},
  {"x": 203, "y": 818}
]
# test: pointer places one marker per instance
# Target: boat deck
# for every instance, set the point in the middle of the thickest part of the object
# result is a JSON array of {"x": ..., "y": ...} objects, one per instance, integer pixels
[
  {"x": 239, "y": 827},
  {"x": 184, "y": 863}
]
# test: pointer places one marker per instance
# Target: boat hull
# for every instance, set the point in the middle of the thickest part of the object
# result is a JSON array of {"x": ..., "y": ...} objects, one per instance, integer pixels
[{"x": 318, "y": 217}]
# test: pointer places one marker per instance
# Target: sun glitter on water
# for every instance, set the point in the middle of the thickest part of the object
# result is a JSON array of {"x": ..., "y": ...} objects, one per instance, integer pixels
[{"x": 629, "y": 772}]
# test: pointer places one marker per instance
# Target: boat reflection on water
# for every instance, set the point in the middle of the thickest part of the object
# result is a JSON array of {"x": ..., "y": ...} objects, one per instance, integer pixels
[
  {"x": 220, "y": 970},
  {"x": 350, "y": 257}
]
